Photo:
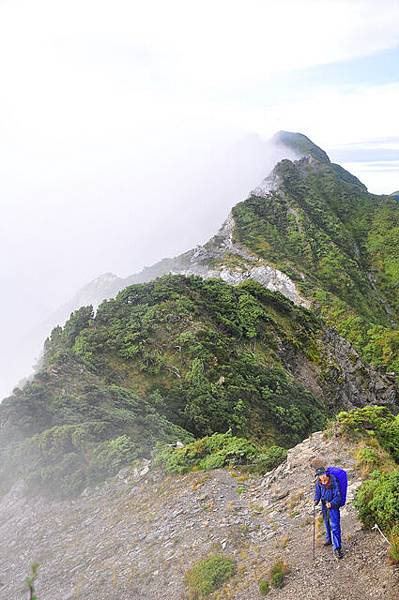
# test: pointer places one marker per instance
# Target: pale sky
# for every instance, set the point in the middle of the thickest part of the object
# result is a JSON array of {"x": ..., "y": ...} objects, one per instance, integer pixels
[{"x": 128, "y": 129}]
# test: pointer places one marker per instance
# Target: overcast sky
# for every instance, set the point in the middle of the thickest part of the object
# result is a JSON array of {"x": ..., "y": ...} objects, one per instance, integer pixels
[{"x": 128, "y": 129}]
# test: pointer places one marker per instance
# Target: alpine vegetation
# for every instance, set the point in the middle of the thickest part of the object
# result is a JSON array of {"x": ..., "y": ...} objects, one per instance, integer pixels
[{"x": 180, "y": 438}]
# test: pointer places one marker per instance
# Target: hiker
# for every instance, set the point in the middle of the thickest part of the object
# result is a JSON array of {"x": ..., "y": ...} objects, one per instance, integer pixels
[{"x": 328, "y": 491}]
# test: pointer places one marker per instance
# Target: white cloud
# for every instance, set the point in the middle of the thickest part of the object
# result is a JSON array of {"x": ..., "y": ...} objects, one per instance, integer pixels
[
  {"x": 82, "y": 70},
  {"x": 380, "y": 177},
  {"x": 117, "y": 121}
]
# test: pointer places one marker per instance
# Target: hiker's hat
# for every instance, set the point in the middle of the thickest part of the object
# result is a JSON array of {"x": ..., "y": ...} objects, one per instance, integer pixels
[{"x": 320, "y": 471}]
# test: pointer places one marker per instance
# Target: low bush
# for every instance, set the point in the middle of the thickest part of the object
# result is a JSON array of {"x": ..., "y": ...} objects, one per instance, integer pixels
[
  {"x": 371, "y": 422},
  {"x": 264, "y": 587},
  {"x": 377, "y": 500},
  {"x": 278, "y": 580},
  {"x": 360, "y": 421},
  {"x": 217, "y": 451},
  {"x": 30, "y": 581},
  {"x": 208, "y": 575},
  {"x": 394, "y": 546},
  {"x": 270, "y": 458},
  {"x": 371, "y": 457},
  {"x": 376, "y": 431},
  {"x": 63, "y": 460},
  {"x": 277, "y": 573}
]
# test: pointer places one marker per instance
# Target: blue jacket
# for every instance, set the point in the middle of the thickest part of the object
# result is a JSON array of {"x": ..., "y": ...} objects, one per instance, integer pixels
[{"x": 328, "y": 493}]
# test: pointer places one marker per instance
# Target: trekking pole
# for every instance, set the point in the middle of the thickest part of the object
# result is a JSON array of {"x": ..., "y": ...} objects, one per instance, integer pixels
[{"x": 314, "y": 531}]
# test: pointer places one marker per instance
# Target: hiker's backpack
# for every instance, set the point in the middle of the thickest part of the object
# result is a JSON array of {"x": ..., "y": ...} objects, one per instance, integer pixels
[{"x": 342, "y": 480}]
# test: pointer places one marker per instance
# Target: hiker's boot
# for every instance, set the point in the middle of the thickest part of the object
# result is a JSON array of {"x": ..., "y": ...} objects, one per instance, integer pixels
[
  {"x": 327, "y": 543},
  {"x": 338, "y": 553}
]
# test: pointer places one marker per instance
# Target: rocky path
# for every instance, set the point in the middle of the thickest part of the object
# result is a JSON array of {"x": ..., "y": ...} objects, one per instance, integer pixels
[{"x": 135, "y": 537}]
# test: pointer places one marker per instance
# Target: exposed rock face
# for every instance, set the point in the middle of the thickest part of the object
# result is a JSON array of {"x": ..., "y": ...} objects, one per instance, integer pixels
[
  {"x": 197, "y": 261},
  {"x": 270, "y": 278},
  {"x": 358, "y": 383},
  {"x": 269, "y": 184},
  {"x": 344, "y": 380},
  {"x": 222, "y": 246},
  {"x": 134, "y": 538}
]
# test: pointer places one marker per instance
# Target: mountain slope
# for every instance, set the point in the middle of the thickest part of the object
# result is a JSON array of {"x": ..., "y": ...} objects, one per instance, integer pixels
[
  {"x": 183, "y": 356},
  {"x": 313, "y": 232},
  {"x": 318, "y": 224},
  {"x": 171, "y": 359},
  {"x": 300, "y": 144},
  {"x": 137, "y": 536}
]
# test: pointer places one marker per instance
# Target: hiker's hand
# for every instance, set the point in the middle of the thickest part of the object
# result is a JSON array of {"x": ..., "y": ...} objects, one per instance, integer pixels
[{"x": 328, "y": 504}]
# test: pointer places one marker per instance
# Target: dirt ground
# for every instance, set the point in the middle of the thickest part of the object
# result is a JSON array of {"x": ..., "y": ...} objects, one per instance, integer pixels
[{"x": 135, "y": 537}]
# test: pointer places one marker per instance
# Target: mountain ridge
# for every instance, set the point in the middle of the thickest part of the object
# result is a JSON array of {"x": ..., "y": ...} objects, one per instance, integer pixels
[
  {"x": 348, "y": 234},
  {"x": 108, "y": 284},
  {"x": 200, "y": 260},
  {"x": 287, "y": 315},
  {"x": 177, "y": 358}
]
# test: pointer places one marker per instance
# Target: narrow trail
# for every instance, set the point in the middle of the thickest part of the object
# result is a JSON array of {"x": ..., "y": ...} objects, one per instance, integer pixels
[{"x": 135, "y": 537}]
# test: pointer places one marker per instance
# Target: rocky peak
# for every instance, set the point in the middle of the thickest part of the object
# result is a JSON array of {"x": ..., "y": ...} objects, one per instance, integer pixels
[{"x": 300, "y": 145}]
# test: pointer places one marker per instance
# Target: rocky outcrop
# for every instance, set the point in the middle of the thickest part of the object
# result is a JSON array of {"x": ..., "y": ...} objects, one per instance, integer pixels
[
  {"x": 272, "y": 279},
  {"x": 211, "y": 260},
  {"x": 270, "y": 184},
  {"x": 343, "y": 380},
  {"x": 220, "y": 249},
  {"x": 357, "y": 382}
]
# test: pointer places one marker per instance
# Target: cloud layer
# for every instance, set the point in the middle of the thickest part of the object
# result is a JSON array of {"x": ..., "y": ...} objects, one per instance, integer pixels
[{"x": 125, "y": 128}]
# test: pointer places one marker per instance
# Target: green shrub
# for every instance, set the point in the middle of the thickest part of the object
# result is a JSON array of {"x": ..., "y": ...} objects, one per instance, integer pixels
[
  {"x": 376, "y": 430},
  {"x": 277, "y": 573},
  {"x": 394, "y": 546},
  {"x": 173, "y": 359},
  {"x": 217, "y": 451},
  {"x": 360, "y": 421},
  {"x": 264, "y": 587},
  {"x": 278, "y": 580},
  {"x": 377, "y": 500},
  {"x": 109, "y": 456},
  {"x": 371, "y": 457},
  {"x": 208, "y": 575},
  {"x": 389, "y": 437},
  {"x": 371, "y": 422},
  {"x": 30, "y": 581},
  {"x": 64, "y": 459},
  {"x": 210, "y": 452}
]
